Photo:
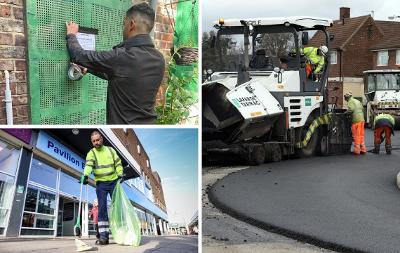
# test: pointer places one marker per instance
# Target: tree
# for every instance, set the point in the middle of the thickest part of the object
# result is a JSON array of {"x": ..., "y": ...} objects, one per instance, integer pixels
[
  {"x": 210, "y": 57},
  {"x": 276, "y": 44}
]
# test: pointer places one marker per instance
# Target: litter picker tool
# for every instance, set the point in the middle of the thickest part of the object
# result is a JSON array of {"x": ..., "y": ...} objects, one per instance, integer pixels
[{"x": 80, "y": 245}]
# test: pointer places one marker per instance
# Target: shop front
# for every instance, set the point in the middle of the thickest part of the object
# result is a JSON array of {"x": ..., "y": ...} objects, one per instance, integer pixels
[
  {"x": 9, "y": 162},
  {"x": 50, "y": 199}
]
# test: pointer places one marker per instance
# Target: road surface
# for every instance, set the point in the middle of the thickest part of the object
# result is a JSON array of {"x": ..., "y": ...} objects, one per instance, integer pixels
[{"x": 342, "y": 203}]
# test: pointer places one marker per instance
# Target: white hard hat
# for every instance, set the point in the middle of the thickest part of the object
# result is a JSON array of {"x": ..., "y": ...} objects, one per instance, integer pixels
[
  {"x": 348, "y": 94},
  {"x": 323, "y": 49}
]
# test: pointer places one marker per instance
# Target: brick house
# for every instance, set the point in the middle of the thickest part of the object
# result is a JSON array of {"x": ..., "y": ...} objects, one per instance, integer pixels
[
  {"x": 13, "y": 53},
  {"x": 135, "y": 148},
  {"x": 351, "y": 51},
  {"x": 386, "y": 52}
]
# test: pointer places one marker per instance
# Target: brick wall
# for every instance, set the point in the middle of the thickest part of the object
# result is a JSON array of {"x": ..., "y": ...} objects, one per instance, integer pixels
[
  {"x": 335, "y": 93},
  {"x": 356, "y": 56},
  {"x": 12, "y": 58},
  {"x": 131, "y": 142},
  {"x": 163, "y": 38},
  {"x": 13, "y": 55},
  {"x": 391, "y": 63}
]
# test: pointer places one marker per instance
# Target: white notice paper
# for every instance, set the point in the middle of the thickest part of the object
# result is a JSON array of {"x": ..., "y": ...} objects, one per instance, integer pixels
[{"x": 87, "y": 41}]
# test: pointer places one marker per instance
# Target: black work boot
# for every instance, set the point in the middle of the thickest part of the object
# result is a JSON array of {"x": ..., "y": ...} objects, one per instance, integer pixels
[
  {"x": 103, "y": 241},
  {"x": 376, "y": 149},
  {"x": 388, "y": 149}
]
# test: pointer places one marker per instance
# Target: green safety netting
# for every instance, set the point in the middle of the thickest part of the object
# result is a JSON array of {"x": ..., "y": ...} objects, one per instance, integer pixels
[
  {"x": 186, "y": 24},
  {"x": 186, "y": 43},
  {"x": 54, "y": 99}
]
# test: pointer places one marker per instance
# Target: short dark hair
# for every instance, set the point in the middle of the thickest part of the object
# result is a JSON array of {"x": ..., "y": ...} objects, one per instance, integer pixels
[
  {"x": 95, "y": 132},
  {"x": 142, "y": 13}
]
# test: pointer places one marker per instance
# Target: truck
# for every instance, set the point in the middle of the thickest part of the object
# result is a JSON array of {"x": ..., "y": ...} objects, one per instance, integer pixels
[
  {"x": 382, "y": 94},
  {"x": 260, "y": 105}
]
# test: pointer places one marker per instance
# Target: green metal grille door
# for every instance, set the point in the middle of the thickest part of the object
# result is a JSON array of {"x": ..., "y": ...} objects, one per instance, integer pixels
[{"x": 54, "y": 98}]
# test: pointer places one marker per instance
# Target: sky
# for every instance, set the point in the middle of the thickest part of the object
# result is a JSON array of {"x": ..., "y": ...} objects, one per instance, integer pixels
[
  {"x": 173, "y": 154},
  {"x": 212, "y": 10}
]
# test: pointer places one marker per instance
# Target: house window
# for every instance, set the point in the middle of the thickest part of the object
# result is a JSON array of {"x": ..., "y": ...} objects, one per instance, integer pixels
[
  {"x": 397, "y": 57},
  {"x": 334, "y": 57},
  {"x": 138, "y": 149},
  {"x": 148, "y": 164},
  {"x": 383, "y": 58}
]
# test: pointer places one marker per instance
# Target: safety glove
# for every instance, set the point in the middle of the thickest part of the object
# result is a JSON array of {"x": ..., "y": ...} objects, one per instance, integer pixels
[
  {"x": 84, "y": 179},
  {"x": 121, "y": 178}
]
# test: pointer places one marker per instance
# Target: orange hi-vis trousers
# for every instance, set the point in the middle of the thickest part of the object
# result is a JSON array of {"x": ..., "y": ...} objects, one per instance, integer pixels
[
  {"x": 388, "y": 134},
  {"x": 357, "y": 130}
]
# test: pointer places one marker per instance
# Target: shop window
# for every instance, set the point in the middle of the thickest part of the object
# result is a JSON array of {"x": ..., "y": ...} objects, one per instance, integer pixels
[
  {"x": 31, "y": 199},
  {"x": 39, "y": 213},
  {"x": 28, "y": 220},
  {"x": 43, "y": 174},
  {"x": 44, "y": 222},
  {"x": 47, "y": 203},
  {"x": 69, "y": 185},
  {"x": 9, "y": 156},
  {"x": 6, "y": 197}
]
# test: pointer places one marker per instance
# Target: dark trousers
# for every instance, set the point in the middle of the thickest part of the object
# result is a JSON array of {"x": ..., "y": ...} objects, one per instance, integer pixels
[
  {"x": 97, "y": 231},
  {"x": 102, "y": 190}
]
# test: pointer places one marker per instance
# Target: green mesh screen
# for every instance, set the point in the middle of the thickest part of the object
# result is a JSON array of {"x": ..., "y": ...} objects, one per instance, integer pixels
[
  {"x": 186, "y": 24},
  {"x": 54, "y": 98},
  {"x": 186, "y": 35}
]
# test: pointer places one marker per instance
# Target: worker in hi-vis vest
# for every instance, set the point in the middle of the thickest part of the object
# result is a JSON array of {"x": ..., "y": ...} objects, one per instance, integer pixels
[
  {"x": 383, "y": 124},
  {"x": 317, "y": 58},
  {"x": 107, "y": 168},
  {"x": 355, "y": 108}
]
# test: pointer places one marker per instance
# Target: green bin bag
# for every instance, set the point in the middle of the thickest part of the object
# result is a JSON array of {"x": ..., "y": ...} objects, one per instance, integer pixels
[{"x": 123, "y": 220}]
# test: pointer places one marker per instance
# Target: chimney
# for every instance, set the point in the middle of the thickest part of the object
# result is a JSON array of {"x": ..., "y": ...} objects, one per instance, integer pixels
[{"x": 344, "y": 13}]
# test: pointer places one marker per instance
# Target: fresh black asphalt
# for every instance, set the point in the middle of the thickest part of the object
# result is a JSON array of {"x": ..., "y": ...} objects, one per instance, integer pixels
[{"x": 344, "y": 203}]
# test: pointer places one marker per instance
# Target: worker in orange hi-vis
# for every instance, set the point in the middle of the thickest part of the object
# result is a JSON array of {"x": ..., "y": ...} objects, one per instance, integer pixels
[{"x": 355, "y": 108}]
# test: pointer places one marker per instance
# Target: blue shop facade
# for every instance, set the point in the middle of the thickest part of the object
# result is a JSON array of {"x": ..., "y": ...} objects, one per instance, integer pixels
[{"x": 39, "y": 183}]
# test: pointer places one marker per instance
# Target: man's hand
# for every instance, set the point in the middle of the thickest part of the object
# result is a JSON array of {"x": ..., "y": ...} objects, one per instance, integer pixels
[
  {"x": 121, "y": 178},
  {"x": 84, "y": 179},
  {"x": 72, "y": 28},
  {"x": 83, "y": 69}
]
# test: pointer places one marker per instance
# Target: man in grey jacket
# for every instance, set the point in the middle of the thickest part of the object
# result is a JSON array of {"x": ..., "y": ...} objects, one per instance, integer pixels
[{"x": 134, "y": 68}]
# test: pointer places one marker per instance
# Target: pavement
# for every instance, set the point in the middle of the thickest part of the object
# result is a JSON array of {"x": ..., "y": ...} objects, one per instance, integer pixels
[
  {"x": 153, "y": 244},
  {"x": 341, "y": 203}
]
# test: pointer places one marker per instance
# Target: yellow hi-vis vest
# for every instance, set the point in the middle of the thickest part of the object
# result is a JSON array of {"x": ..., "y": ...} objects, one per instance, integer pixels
[
  {"x": 356, "y": 109},
  {"x": 104, "y": 163},
  {"x": 317, "y": 60}
]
